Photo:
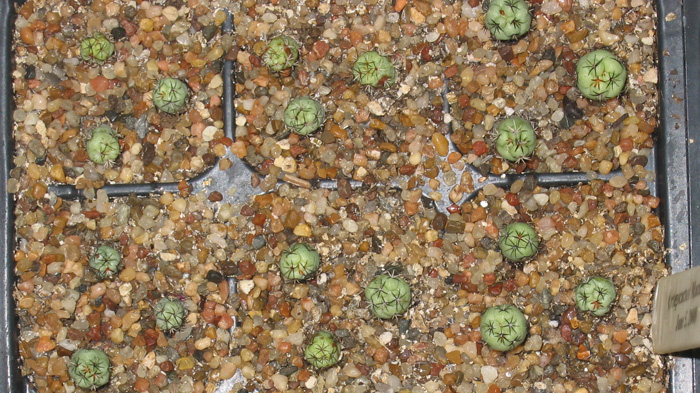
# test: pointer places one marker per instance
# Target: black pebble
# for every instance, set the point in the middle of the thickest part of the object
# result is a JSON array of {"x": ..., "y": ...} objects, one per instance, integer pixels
[
  {"x": 118, "y": 33},
  {"x": 30, "y": 72},
  {"x": 215, "y": 277}
]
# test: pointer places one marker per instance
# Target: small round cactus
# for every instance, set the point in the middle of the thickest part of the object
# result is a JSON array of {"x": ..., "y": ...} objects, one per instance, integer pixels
[
  {"x": 89, "y": 368},
  {"x": 516, "y": 139},
  {"x": 299, "y": 262},
  {"x": 106, "y": 261},
  {"x": 103, "y": 145},
  {"x": 96, "y": 48},
  {"x": 170, "y": 95},
  {"x": 595, "y": 295},
  {"x": 388, "y": 296},
  {"x": 304, "y": 115},
  {"x": 508, "y": 19},
  {"x": 323, "y": 351},
  {"x": 281, "y": 53},
  {"x": 503, "y": 327},
  {"x": 170, "y": 313},
  {"x": 600, "y": 75},
  {"x": 373, "y": 69},
  {"x": 518, "y": 241}
]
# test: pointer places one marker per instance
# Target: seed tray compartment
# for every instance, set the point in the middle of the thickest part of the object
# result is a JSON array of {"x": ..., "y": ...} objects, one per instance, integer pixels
[{"x": 679, "y": 70}]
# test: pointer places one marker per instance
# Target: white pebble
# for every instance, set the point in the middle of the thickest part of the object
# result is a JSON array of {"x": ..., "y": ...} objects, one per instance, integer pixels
[
  {"x": 651, "y": 76},
  {"x": 375, "y": 108},
  {"x": 432, "y": 36},
  {"x": 208, "y": 133},
  {"x": 280, "y": 382},
  {"x": 541, "y": 199},
  {"x": 350, "y": 225},
  {"x": 551, "y": 7},
  {"x": 216, "y": 81},
  {"x": 311, "y": 382},
  {"x": 385, "y": 338},
  {"x": 489, "y": 373},
  {"x": 170, "y": 13},
  {"x": 246, "y": 286}
]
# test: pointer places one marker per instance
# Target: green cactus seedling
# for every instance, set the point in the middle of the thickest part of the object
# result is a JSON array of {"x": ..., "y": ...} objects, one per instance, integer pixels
[
  {"x": 299, "y": 262},
  {"x": 375, "y": 70},
  {"x": 516, "y": 139},
  {"x": 595, "y": 295},
  {"x": 103, "y": 145},
  {"x": 89, "y": 368},
  {"x": 281, "y": 53},
  {"x": 503, "y": 327},
  {"x": 170, "y": 95},
  {"x": 323, "y": 351},
  {"x": 304, "y": 115},
  {"x": 97, "y": 48},
  {"x": 508, "y": 19},
  {"x": 600, "y": 75},
  {"x": 388, "y": 296},
  {"x": 106, "y": 261},
  {"x": 518, "y": 241},
  {"x": 170, "y": 313}
]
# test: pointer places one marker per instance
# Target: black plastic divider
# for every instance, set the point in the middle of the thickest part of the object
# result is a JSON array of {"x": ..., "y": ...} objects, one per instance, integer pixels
[
  {"x": 10, "y": 375},
  {"x": 679, "y": 72}
]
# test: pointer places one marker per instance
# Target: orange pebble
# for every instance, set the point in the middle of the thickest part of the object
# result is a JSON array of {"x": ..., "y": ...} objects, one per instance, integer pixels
[
  {"x": 399, "y": 5},
  {"x": 27, "y": 35},
  {"x": 141, "y": 385},
  {"x": 44, "y": 344},
  {"x": 100, "y": 84},
  {"x": 163, "y": 65}
]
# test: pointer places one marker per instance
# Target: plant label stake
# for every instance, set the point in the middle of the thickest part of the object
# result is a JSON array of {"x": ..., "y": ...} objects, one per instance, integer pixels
[{"x": 675, "y": 320}]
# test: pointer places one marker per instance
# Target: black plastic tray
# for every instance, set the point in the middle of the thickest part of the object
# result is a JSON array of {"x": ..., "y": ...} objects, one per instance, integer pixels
[{"x": 679, "y": 70}]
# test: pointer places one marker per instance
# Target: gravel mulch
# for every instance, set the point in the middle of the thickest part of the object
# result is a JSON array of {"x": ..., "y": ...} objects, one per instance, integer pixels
[{"x": 191, "y": 248}]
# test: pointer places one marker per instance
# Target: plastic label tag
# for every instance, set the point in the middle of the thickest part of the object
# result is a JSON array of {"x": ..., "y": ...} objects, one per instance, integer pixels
[{"x": 675, "y": 323}]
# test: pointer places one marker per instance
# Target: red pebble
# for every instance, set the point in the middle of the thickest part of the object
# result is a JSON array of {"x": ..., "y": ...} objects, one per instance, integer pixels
[
  {"x": 480, "y": 148},
  {"x": 225, "y": 322},
  {"x": 208, "y": 316},
  {"x": 626, "y": 144},
  {"x": 453, "y": 208},
  {"x": 565, "y": 332},
  {"x": 247, "y": 268},
  {"x": 496, "y": 289},
  {"x": 321, "y": 48},
  {"x": 141, "y": 385}
]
